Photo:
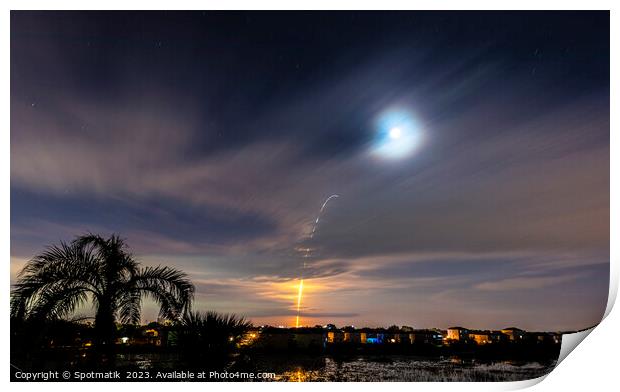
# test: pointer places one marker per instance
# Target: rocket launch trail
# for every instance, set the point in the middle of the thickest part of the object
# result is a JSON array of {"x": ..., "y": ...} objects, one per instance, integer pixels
[{"x": 307, "y": 251}]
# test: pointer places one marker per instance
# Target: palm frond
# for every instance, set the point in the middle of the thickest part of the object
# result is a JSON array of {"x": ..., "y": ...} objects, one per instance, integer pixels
[
  {"x": 91, "y": 268},
  {"x": 129, "y": 306},
  {"x": 58, "y": 301},
  {"x": 58, "y": 267},
  {"x": 210, "y": 330},
  {"x": 171, "y": 288}
]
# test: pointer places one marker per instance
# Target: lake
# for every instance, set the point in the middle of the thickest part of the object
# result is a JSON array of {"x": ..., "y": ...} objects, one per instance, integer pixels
[
  {"x": 399, "y": 368},
  {"x": 360, "y": 367}
]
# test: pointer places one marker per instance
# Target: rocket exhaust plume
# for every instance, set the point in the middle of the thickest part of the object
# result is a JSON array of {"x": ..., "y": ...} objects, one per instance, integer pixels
[
  {"x": 299, "y": 294},
  {"x": 307, "y": 251}
]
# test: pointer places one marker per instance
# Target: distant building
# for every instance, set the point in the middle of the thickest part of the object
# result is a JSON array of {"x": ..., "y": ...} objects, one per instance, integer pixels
[
  {"x": 335, "y": 337},
  {"x": 398, "y": 337},
  {"x": 374, "y": 338},
  {"x": 544, "y": 337},
  {"x": 355, "y": 337},
  {"x": 457, "y": 333},
  {"x": 514, "y": 334},
  {"x": 486, "y": 337},
  {"x": 144, "y": 336},
  {"x": 318, "y": 338},
  {"x": 425, "y": 336}
]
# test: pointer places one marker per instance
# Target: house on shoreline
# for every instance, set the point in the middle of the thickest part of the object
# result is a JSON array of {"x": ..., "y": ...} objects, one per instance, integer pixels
[
  {"x": 514, "y": 334},
  {"x": 457, "y": 334}
]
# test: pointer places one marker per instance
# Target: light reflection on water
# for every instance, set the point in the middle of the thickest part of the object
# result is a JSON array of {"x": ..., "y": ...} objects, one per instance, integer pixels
[
  {"x": 365, "y": 368},
  {"x": 147, "y": 361},
  {"x": 407, "y": 369}
]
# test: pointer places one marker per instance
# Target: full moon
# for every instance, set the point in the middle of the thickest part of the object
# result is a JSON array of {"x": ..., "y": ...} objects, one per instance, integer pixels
[
  {"x": 395, "y": 133},
  {"x": 398, "y": 135}
]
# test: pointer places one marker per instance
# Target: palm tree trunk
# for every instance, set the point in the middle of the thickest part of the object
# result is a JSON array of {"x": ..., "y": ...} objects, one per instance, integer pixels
[{"x": 105, "y": 330}]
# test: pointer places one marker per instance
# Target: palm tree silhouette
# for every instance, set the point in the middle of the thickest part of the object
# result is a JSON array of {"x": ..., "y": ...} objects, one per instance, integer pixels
[
  {"x": 210, "y": 337},
  {"x": 91, "y": 268}
]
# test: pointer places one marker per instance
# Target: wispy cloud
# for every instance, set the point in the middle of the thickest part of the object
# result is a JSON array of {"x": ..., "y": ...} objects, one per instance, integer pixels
[{"x": 524, "y": 283}]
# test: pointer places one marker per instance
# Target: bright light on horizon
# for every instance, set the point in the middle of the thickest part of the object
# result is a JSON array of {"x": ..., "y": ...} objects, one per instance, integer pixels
[{"x": 299, "y": 294}]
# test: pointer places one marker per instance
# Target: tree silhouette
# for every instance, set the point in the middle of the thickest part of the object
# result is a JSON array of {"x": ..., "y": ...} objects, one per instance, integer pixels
[
  {"x": 93, "y": 269},
  {"x": 210, "y": 335}
]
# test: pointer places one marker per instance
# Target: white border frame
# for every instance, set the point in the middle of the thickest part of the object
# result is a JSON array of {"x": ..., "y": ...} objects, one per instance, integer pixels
[{"x": 593, "y": 363}]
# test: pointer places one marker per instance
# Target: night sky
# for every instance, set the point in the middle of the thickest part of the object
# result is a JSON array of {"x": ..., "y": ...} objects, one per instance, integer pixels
[{"x": 210, "y": 141}]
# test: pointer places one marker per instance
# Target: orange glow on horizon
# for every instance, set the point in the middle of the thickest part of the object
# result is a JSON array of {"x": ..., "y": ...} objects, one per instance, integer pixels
[{"x": 316, "y": 294}]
